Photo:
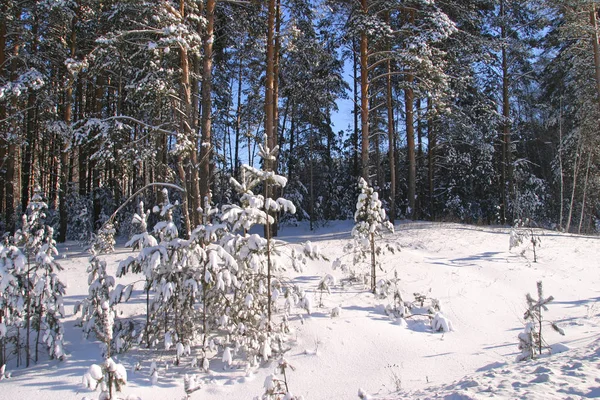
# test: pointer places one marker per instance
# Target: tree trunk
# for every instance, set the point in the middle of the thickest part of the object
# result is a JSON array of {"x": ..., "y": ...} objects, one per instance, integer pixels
[
  {"x": 576, "y": 163},
  {"x": 207, "y": 65},
  {"x": 560, "y": 166},
  {"x": 3, "y": 142},
  {"x": 355, "y": 63},
  {"x": 373, "y": 263},
  {"x": 238, "y": 123},
  {"x": 391, "y": 141},
  {"x": 431, "y": 143},
  {"x": 364, "y": 98},
  {"x": 12, "y": 154},
  {"x": 269, "y": 131},
  {"x": 410, "y": 144},
  {"x": 506, "y": 162},
  {"x": 419, "y": 162},
  {"x": 276, "y": 50},
  {"x": 64, "y": 155},
  {"x": 596, "y": 47},
  {"x": 270, "y": 80},
  {"x": 585, "y": 185}
]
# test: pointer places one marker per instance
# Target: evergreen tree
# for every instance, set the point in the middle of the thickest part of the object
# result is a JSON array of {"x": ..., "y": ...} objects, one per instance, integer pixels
[{"x": 370, "y": 224}]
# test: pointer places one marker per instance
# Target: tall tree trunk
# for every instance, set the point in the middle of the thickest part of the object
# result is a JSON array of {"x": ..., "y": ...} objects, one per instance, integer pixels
[
  {"x": 596, "y": 47},
  {"x": 3, "y": 142},
  {"x": 292, "y": 160},
  {"x": 364, "y": 97},
  {"x": 585, "y": 185},
  {"x": 419, "y": 161},
  {"x": 30, "y": 124},
  {"x": 12, "y": 154},
  {"x": 238, "y": 123},
  {"x": 64, "y": 155},
  {"x": 207, "y": 65},
  {"x": 560, "y": 166},
  {"x": 391, "y": 136},
  {"x": 269, "y": 130},
  {"x": 576, "y": 163},
  {"x": 355, "y": 64},
  {"x": 506, "y": 162},
  {"x": 410, "y": 144},
  {"x": 276, "y": 189},
  {"x": 96, "y": 174},
  {"x": 410, "y": 134},
  {"x": 431, "y": 143}
]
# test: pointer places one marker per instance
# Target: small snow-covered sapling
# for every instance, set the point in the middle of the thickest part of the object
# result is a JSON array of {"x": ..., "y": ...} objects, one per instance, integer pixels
[
  {"x": 531, "y": 341},
  {"x": 370, "y": 224},
  {"x": 523, "y": 231},
  {"x": 110, "y": 377},
  {"x": 278, "y": 388},
  {"x": 325, "y": 287}
]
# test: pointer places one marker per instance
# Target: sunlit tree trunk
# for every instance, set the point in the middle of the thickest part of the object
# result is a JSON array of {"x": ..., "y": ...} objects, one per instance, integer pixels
[
  {"x": 11, "y": 159},
  {"x": 391, "y": 133},
  {"x": 3, "y": 142},
  {"x": 64, "y": 155},
  {"x": 506, "y": 161},
  {"x": 410, "y": 144},
  {"x": 269, "y": 129},
  {"x": 207, "y": 66},
  {"x": 364, "y": 98},
  {"x": 596, "y": 47},
  {"x": 585, "y": 186},
  {"x": 431, "y": 144},
  {"x": 410, "y": 135}
]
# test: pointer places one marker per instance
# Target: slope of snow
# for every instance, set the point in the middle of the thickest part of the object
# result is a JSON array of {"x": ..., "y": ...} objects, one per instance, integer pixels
[{"x": 481, "y": 286}]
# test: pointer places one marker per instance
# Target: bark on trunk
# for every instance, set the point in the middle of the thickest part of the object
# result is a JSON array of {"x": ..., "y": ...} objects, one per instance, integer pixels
[
  {"x": 64, "y": 155},
  {"x": 410, "y": 144},
  {"x": 364, "y": 98},
  {"x": 596, "y": 47},
  {"x": 431, "y": 143},
  {"x": 207, "y": 65},
  {"x": 506, "y": 162},
  {"x": 3, "y": 142},
  {"x": 391, "y": 141}
]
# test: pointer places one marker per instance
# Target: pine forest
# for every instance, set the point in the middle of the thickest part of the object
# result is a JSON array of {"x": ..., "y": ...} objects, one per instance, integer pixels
[{"x": 210, "y": 191}]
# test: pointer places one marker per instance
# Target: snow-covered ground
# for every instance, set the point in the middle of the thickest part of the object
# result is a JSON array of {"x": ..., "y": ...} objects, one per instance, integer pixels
[{"x": 480, "y": 284}]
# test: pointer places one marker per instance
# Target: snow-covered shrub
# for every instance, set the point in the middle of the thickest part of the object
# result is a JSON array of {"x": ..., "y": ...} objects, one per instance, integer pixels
[
  {"x": 277, "y": 388},
  {"x": 325, "y": 287},
  {"x": 110, "y": 377},
  {"x": 421, "y": 306},
  {"x": 370, "y": 224},
  {"x": 252, "y": 327},
  {"x": 523, "y": 233},
  {"x": 531, "y": 341},
  {"x": 104, "y": 241},
  {"x": 31, "y": 295},
  {"x": 98, "y": 311},
  {"x": 179, "y": 273},
  {"x": 217, "y": 288},
  {"x": 386, "y": 288},
  {"x": 12, "y": 300},
  {"x": 440, "y": 323}
]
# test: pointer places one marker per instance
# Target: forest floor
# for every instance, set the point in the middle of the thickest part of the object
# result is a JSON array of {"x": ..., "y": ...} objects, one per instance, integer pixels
[{"x": 480, "y": 284}]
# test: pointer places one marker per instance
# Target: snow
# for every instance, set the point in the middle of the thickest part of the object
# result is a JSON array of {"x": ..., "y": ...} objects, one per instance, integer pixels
[{"x": 480, "y": 283}]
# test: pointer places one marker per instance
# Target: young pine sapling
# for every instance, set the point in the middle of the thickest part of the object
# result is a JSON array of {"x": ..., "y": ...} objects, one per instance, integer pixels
[
  {"x": 370, "y": 224},
  {"x": 531, "y": 341}
]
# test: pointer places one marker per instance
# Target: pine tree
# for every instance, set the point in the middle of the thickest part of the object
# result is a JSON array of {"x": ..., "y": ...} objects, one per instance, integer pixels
[
  {"x": 370, "y": 224},
  {"x": 531, "y": 341}
]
